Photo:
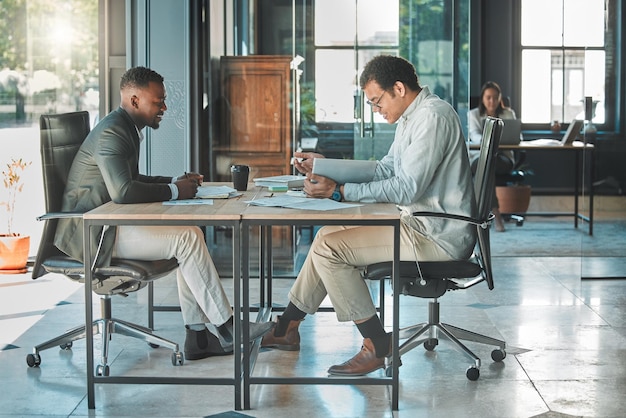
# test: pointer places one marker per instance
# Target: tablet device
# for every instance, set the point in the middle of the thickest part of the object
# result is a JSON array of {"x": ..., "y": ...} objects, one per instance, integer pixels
[{"x": 345, "y": 171}]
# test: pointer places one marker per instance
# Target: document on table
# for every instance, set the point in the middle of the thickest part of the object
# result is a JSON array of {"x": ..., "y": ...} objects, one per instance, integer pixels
[
  {"x": 184, "y": 202},
  {"x": 216, "y": 192},
  {"x": 306, "y": 203},
  {"x": 287, "y": 180}
]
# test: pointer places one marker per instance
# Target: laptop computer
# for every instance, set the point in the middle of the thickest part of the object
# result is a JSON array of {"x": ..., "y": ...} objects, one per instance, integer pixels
[
  {"x": 511, "y": 132},
  {"x": 568, "y": 137}
]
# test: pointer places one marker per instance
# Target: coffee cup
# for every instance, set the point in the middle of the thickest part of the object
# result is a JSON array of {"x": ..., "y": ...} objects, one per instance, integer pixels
[{"x": 240, "y": 174}]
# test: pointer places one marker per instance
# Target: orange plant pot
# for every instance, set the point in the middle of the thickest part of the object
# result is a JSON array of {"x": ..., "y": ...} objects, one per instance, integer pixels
[
  {"x": 513, "y": 199},
  {"x": 14, "y": 254}
]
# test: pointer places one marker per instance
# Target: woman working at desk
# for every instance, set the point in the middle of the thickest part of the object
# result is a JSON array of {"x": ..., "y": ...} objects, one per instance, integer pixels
[{"x": 491, "y": 105}]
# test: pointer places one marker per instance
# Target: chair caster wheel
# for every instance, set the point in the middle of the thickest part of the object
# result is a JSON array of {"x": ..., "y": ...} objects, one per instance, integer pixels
[
  {"x": 472, "y": 373},
  {"x": 102, "y": 370},
  {"x": 430, "y": 344},
  {"x": 66, "y": 346},
  {"x": 33, "y": 360},
  {"x": 498, "y": 355},
  {"x": 177, "y": 358},
  {"x": 389, "y": 367},
  {"x": 153, "y": 345}
]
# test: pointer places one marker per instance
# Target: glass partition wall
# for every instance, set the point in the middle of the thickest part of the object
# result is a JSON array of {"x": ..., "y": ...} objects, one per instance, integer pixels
[
  {"x": 332, "y": 40},
  {"x": 570, "y": 70},
  {"x": 335, "y": 38}
]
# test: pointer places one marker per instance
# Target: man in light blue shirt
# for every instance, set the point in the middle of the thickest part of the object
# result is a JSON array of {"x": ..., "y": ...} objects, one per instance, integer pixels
[{"x": 426, "y": 169}]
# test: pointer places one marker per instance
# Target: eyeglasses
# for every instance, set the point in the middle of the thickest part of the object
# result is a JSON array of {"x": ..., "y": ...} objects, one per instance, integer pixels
[{"x": 376, "y": 104}]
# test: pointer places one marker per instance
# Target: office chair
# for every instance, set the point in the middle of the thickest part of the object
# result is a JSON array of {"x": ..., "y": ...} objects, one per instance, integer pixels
[
  {"x": 432, "y": 279},
  {"x": 61, "y": 137}
]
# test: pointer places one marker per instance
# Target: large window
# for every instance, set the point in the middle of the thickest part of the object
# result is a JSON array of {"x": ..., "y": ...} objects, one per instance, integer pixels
[
  {"x": 48, "y": 64},
  {"x": 48, "y": 58},
  {"x": 565, "y": 50}
]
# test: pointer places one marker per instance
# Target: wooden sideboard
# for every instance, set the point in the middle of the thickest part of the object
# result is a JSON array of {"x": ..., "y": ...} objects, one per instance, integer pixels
[{"x": 255, "y": 122}]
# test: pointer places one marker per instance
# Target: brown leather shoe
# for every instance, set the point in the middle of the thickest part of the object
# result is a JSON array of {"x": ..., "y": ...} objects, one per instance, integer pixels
[
  {"x": 364, "y": 362},
  {"x": 288, "y": 342}
]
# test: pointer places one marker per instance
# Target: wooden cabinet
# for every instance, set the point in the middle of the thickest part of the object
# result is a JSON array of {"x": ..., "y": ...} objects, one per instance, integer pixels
[
  {"x": 256, "y": 129},
  {"x": 255, "y": 125}
]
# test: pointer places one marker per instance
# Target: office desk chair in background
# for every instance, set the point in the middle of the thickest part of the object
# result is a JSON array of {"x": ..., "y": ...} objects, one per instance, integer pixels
[
  {"x": 61, "y": 137},
  {"x": 432, "y": 279}
]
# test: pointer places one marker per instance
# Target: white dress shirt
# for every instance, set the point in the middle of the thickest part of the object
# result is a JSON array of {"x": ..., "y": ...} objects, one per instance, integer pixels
[{"x": 426, "y": 169}]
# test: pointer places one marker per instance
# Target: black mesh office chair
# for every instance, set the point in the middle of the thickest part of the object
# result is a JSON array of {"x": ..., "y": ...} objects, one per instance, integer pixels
[
  {"x": 434, "y": 278},
  {"x": 61, "y": 137}
]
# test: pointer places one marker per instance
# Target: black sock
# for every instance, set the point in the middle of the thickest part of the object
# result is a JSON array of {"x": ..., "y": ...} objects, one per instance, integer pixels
[
  {"x": 292, "y": 313},
  {"x": 373, "y": 329}
]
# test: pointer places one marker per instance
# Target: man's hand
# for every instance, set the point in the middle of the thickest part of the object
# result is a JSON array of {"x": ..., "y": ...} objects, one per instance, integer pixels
[
  {"x": 303, "y": 161},
  {"x": 187, "y": 187},
  {"x": 318, "y": 186},
  {"x": 192, "y": 176}
]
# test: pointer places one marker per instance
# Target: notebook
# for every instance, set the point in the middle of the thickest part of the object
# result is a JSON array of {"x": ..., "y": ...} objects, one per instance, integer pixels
[
  {"x": 568, "y": 137},
  {"x": 511, "y": 132}
]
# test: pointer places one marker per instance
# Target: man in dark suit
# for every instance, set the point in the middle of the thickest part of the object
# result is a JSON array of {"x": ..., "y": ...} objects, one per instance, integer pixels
[{"x": 106, "y": 168}]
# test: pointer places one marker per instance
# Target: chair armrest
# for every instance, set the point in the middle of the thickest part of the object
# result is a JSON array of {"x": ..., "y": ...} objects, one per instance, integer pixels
[
  {"x": 483, "y": 223},
  {"x": 59, "y": 215}
]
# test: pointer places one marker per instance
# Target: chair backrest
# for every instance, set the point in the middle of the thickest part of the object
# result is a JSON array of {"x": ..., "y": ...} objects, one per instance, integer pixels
[
  {"x": 484, "y": 182},
  {"x": 60, "y": 138},
  {"x": 484, "y": 179}
]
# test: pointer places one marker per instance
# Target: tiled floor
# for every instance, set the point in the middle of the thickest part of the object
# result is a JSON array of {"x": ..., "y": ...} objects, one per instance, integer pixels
[{"x": 566, "y": 355}]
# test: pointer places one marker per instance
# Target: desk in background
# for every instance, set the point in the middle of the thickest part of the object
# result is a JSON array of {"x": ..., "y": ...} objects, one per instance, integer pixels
[{"x": 579, "y": 172}]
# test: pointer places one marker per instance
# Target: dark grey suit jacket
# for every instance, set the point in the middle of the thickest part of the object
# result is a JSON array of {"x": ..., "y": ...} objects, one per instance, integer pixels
[{"x": 106, "y": 168}]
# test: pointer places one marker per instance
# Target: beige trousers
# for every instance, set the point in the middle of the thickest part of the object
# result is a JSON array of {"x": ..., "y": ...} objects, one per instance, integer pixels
[
  {"x": 334, "y": 264},
  {"x": 202, "y": 297}
]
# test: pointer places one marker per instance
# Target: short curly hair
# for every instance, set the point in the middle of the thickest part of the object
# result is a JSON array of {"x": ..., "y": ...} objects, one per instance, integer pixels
[
  {"x": 139, "y": 77},
  {"x": 387, "y": 69}
]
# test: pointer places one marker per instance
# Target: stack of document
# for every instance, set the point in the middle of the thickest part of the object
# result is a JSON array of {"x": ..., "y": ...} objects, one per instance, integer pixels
[{"x": 288, "y": 181}]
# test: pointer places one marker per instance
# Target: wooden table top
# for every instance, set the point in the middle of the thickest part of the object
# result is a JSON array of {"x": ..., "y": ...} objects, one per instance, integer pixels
[{"x": 235, "y": 208}]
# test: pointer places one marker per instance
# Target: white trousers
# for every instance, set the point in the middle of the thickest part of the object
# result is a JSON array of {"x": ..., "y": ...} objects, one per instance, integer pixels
[
  {"x": 202, "y": 297},
  {"x": 334, "y": 264}
]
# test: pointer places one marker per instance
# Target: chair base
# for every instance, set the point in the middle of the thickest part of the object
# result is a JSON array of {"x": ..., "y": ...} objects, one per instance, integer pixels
[
  {"x": 106, "y": 327},
  {"x": 429, "y": 333}
]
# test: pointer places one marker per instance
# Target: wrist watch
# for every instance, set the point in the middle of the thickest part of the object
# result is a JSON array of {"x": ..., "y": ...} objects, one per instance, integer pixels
[{"x": 336, "y": 196}]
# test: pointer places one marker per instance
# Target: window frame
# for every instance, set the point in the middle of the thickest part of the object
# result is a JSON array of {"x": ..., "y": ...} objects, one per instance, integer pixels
[{"x": 613, "y": 53}]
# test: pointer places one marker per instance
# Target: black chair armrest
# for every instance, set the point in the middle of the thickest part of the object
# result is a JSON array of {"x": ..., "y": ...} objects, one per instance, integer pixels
[
  {"x": 483, "y": 223},
  {"x": 59, "y": 215}
]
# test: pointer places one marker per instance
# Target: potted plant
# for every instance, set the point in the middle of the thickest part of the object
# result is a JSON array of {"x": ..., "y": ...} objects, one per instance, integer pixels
[
  {"x": 14, "y": 247},
  {"x": 513, "y": 195}
]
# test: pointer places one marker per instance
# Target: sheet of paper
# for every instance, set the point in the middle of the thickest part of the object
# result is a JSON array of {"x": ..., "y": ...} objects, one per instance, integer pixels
[
  {"x": 183, "y": 202},
  {"x": 543, "y": 142},
  {"x": 295, "y": 202}
]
